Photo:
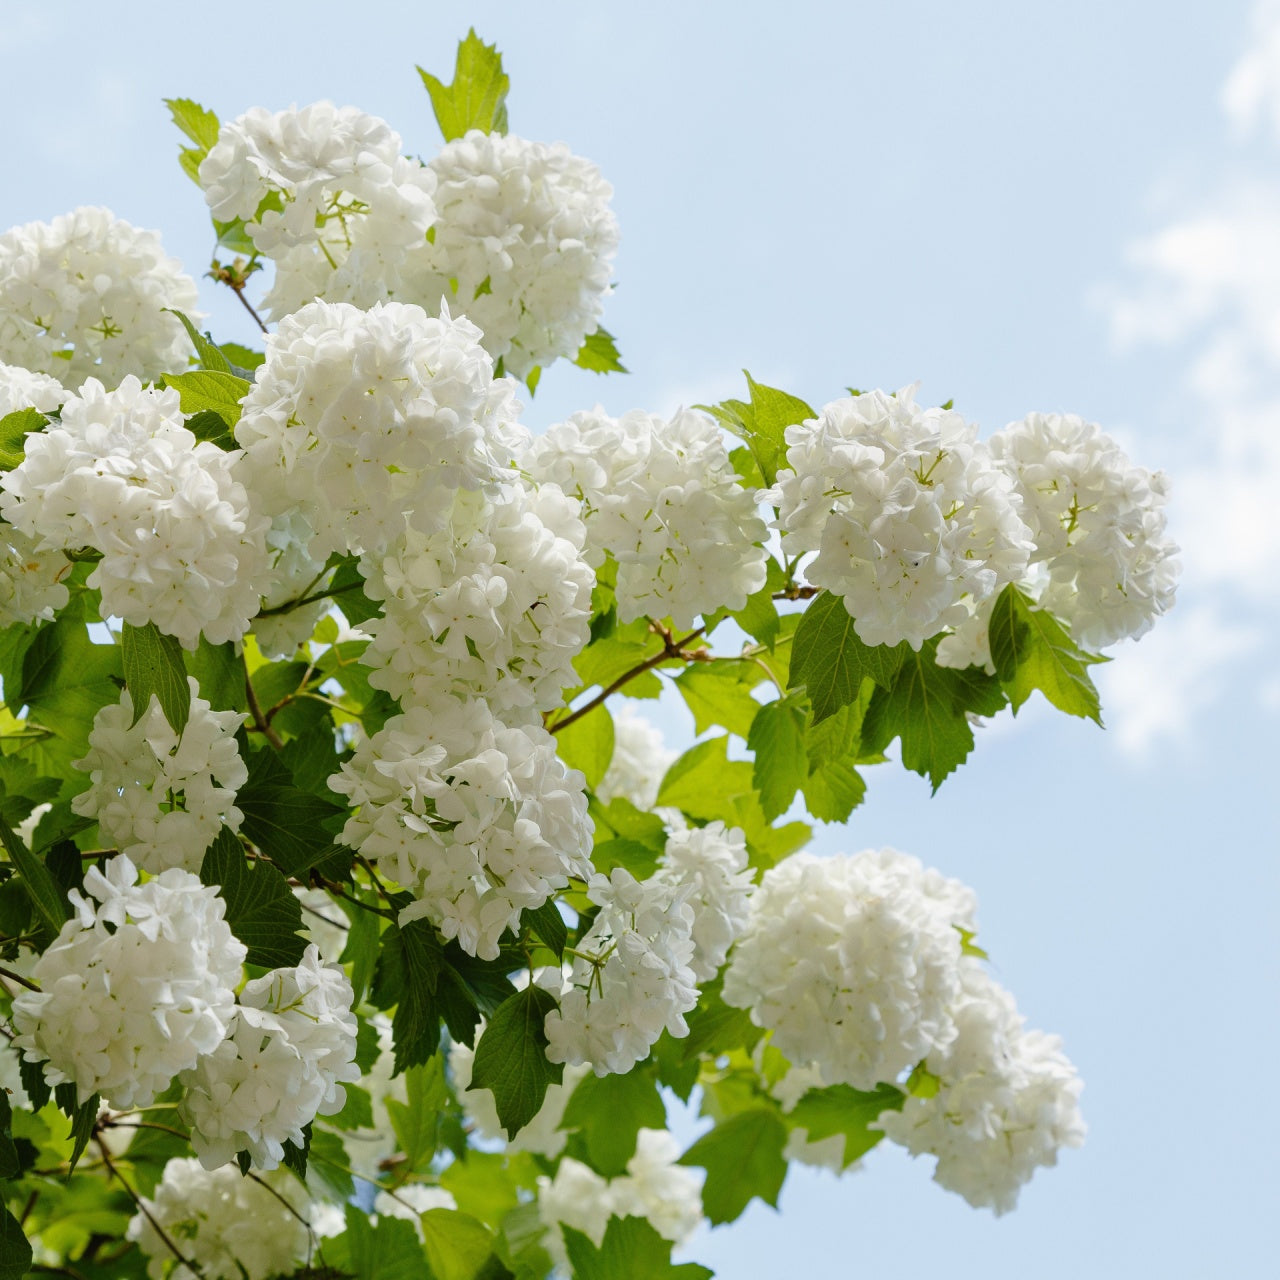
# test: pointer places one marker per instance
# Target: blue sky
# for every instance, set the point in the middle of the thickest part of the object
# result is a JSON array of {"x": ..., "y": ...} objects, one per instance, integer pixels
[{"x": 1027, "y": 206}]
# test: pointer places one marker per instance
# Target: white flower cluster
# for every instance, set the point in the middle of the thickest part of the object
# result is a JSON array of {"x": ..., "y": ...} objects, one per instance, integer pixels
[
  {"x": 231, "y": 1227},
  {"x": 542, "y": 1135},
  {"x": 662, "y": 498},
  {"x": 133, "y": 990},
  {"x": 121, "y": 474},
  {"x": 523, "y": 244},
  {"x": 480, "y": 820},
  {"x": 654, "y": 1187},
  {"x": 290, "y": 1046},
  {"x": 157, "y": 797},
  {"x": 365, "y": 422},
  {"x": 712, "y": 861},
  {"x": 22, "y": 389},
  {"x": 87, "y": 294},
  {"x": 853, "y": 962},
  {"x": 911, "y": 519},
  {"x": 495, "y": 604},
  {"x": 1105, "y": 564},
  {"x": 1007, "y": 1100},
  {"x": 324, "y": 193},
  {"x": 640, "y": 759},
  {"x": 638, "y": 981}
]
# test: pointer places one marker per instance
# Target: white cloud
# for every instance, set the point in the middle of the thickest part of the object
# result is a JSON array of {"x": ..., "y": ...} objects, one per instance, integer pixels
[{"x": 1251, "y": 94}]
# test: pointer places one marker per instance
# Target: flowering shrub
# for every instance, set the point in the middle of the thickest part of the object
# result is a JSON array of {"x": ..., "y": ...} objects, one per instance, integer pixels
[{"x": 353, "y": 920}]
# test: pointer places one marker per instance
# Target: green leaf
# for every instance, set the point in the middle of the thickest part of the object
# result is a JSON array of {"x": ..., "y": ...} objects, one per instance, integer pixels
[
  {"x": 511, "y": 1058},
  {"x": 927, "y": 708},
  {"x": 718, "y": 695},
  {"x": 285, "y": 822},
  {"x": 328, "y": 1166},
  {"x": 153, "y": 664},
  {"x": 830, "y": 662},
  {"x": 763, "y": 422},
  {"x": 415, "y": 1121},
  {"x": 743, "y": 1159},
  {"x": 261, "y": 909},
  {"x": 15, "y": 1251},
  {"x": 83, "y": 1117},
  {"x": 207, "y": 350},
  {"x": 841, "y": 1109},
  {"x": 220, "y": 675},
  {"x": 587, "y": 744},
  {"x": 631, "y": 1249},
  {"x": 209, "y": 426},
  {"x": 15, "y": 427},
  {"x": 781, "y": 765},
  {"x": 203, "y": 390},
  {"x": 759, "y": 617},
  {"x": 1032, "y": 650},
  {"x": 599, "y": 354},
  {"x": 715, "y": 1027},
  {"x": 702, "y": 779},
  {"x": 10, "y": 1166},
  {"x": 242, "y": 357},
  {"x": 833, "y": 791},
  {"x": 632, "y": 855},
  {"x": 609, "y": 1111},
  {"x": 477, "y": 98},
  {"x": 387, "y": 1251},
  {"x": 47, "y": 898},
  {"x": 548, "y": 925},
  {"x": 347, "y": 589},
  {"x": 295, "y": 1157},
  {"x": 456, "y": 1244},
  {"x": 408, "y": 975},
  {"x": 200, "y": 125}
]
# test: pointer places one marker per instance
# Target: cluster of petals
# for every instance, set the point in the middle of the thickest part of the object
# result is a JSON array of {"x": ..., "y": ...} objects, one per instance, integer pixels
[
  {"x": 289, "y": 1048},
  {"x": 632, "y": 977},
  {"x": 523, "y": 244},
  {"x": 662, "y": 498},
  {"x": 654, "y": 1187},
  {"x": 367, "y": 421},
  {"x": 89, "y": 294},
  {"x": 325, "y": 193},
  {"x": 542, "y": 1135},
  {"x": 853, "y": 962},
  {"x": 134, "y": 989},
  {"x": 712, "y": 862},
  {"x": 640, "y": 759},
  {"x": 479, "y": 819},
  {"x": 121, "y": 474},
  {"x": 231, "y": 1227},
  {"x": 157, "y": 796},
  {"x": 1103, "y": 562},
  {"x": 1007, "y": 1100},
  {"x": 497, "y": 603},
  {"x": 910, "y": 517}
]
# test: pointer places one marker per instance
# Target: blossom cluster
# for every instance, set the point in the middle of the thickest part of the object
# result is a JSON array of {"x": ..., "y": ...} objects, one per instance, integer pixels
[
  {"x": 122, "y": 475},
  {"x": 158, "y": 796},
  {"x": 662, "y": 498},
  {"x": 654, "y": 1187},
  {"x": 631, "y": 977}
]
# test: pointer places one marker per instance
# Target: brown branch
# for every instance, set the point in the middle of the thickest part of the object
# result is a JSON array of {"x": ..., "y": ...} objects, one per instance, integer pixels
[
  {"x": 260, "y": 721},
  {"x": 670, "y": 649},
  {"x": 797, "y": 593},
  {"x": 141, "y": 1204},
  {"x": 18, "y": 978}
]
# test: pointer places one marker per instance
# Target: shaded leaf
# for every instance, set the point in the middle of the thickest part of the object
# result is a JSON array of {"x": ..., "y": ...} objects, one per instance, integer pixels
[
  {"x": 153, "y": 664},
  {"x": 844, "y": 1110},
  {"x": 743, "y": 1159},
  {"x": 609, "y": 1111},
  {"x": 631, "y": 1249},
  {"x": 511, "y": 1058},
  {"x": 261, "y": 908}
]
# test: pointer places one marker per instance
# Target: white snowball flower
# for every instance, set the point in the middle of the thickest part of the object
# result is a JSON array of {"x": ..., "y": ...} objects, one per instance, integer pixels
[
  {"x": 654, "y": 1187},
  {"x": 133, "y": 990},
  {"x": 480, "y": 820},
  {"x": 367, "y": 421},
  {"x": 31, "y": 583},
  {"x": 853, "y": 962},
  {"x": 909, "y": 515},
  {"x": 22, "y": 389},
  {"x": 290, "y": 1047},
  {"x": 326, "y": 194},
  {"x": 542, "y": 1135},
  {"x": 640, "y": 981},
  {"x": 523, "y": 244},
  {"x": 157, "y": 797},
  {"x": 496, "y": 604},
  {"x": 1107, "y": 567},
  {"x": 1007, "y": 1101},
  {"x": 712, "y": 860},
  {"x": 326, "y": 923},
  {"x": 640, "y": 759},
  {"x": 87, "y": 294},
  {"x": 231, "y": 1227},
  {"x": 663, "y": 499},
  {"x": 121, "y": 473}
]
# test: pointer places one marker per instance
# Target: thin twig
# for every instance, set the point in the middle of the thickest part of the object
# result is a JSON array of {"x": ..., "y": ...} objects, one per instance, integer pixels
[
  {"x": 238, "y": 290},
  {"x": 255, "y": 710},
  {"x": 670, "y": 649},
  {"x": 141, "y": 1204},
  {"x": 18, "y": 978}
]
